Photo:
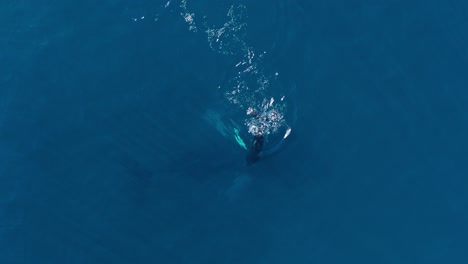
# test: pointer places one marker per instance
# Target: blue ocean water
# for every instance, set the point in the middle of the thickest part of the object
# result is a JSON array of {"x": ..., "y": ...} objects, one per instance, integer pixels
[{"x": 117, "y": 131}]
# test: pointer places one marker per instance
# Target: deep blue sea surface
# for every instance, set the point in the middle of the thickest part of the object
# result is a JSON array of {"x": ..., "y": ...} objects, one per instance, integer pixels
[{"x": 121, "y": 125}]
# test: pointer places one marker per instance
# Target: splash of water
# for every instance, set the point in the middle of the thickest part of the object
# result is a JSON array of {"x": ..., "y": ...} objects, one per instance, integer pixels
[{"x": 249, "y": 87}]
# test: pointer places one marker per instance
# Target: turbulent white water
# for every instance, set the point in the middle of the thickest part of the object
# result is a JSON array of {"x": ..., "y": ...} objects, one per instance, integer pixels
[{"x": 249, "y": 86}]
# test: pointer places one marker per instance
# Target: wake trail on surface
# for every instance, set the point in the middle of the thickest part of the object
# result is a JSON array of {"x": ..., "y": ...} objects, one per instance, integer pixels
[{"x": 249, "y": 85}]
